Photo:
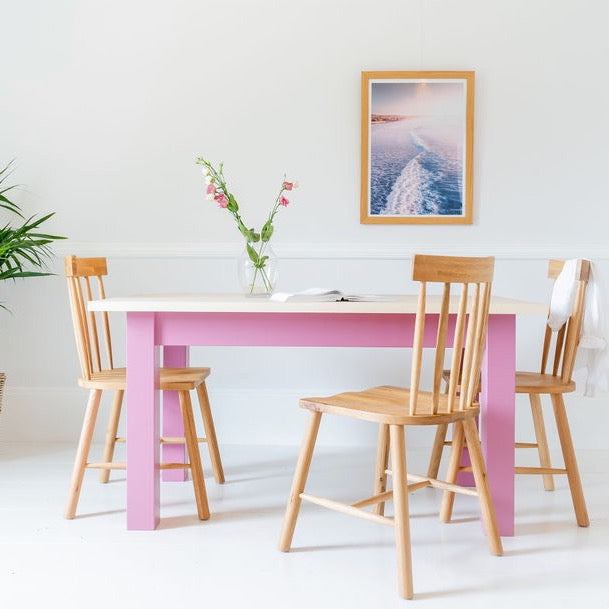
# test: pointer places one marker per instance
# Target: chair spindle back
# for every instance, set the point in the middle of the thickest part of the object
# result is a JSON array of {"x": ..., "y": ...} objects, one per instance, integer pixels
[
  {"x": 85, "y": 283},
  {"x": 567, "y": 337},
  {"x": 469, "y": 281}
]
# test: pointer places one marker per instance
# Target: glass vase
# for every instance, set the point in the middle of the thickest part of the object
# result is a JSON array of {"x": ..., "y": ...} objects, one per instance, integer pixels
[{"x": 258, "y": 269}]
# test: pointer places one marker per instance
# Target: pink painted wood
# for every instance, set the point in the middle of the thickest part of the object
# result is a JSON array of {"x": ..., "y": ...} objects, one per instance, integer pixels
[
  {"x": 143, "y": 485},
  {"x": 287, "y": 329},
  {"x": 176, "y": 329},
  {"x": 173, "y": 357},
  {"x": 497, "y": 405}
]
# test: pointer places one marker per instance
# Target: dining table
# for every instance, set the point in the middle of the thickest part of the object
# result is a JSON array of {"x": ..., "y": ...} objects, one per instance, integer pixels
[{"x": 166, "y": 325}]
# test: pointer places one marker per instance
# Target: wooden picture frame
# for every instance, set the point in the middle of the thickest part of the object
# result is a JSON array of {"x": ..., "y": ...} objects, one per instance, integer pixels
[{"x": 417, "y": 147}]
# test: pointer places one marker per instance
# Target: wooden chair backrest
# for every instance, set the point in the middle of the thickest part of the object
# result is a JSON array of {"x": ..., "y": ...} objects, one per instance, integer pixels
[
  {"x": 470, "y": 280},
  {"x": 566, "y": 339},
  {"x": 85, "y": 283}
]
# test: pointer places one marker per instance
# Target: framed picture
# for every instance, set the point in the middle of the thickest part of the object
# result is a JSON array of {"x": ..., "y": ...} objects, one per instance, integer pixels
[{"x": 417, "y": 147}]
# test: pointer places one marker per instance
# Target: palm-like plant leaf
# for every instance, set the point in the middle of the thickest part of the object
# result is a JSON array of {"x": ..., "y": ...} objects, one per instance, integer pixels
[
  {"x": 22, "y": 248},
  {"x": 5, "y": 202}
]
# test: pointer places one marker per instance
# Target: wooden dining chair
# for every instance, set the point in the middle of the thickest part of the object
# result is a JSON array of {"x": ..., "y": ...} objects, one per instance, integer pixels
[
  {"x": 98, "y": 374},
  {"x": 559, "y": 347},
  {"x": 394, "y": 408}
]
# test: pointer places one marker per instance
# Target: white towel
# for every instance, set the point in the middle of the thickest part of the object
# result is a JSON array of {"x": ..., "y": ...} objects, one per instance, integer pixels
[
  {"x": 563, "y": 295},
  {"x": 593, "y": 352}
]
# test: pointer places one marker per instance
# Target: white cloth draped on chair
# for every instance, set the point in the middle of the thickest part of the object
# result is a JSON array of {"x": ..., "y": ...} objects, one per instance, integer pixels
[{"x": 593, "y": 351}]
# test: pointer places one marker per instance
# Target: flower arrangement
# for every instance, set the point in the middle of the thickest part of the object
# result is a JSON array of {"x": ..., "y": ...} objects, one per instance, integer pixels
[{"x": 256, "y": 241}]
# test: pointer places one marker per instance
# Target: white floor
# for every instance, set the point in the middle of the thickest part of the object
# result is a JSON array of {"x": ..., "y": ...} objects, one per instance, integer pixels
[{"x": 231, "y": 561}]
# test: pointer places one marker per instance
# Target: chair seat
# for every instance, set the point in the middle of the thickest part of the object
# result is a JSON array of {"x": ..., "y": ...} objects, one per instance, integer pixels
[
  {"x": 534, "y": 382},
  {"x": 172, "y": 379},
  {"x": 389, "y": 405}
]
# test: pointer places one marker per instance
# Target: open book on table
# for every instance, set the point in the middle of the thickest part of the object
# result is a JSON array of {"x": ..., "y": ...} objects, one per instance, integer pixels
[{"x": 325, "y": 295}]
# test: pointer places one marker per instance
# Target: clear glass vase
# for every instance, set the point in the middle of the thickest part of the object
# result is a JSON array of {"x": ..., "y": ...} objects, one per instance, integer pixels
[{"x": 257, "y": 269}]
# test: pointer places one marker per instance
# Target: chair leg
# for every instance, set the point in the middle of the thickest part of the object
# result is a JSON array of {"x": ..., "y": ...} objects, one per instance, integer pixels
[
  {"x": 401, "y": 515},
  {"x": 438, "y": 446},
  {"x": 382, "y": 461},
  {"x": 541, "y": 439},
  {"x": 566, "y": 444},
  {"x": 482, "y": 486},
  {"x": 82, "y": 452},
  {"x": 436, "y": 451},
  {"x": 448, "y": 497},
  {"x": 210, "y": 433},
  {"x": 194, "y": 457},
  {"x": 115, "y": 413},
  {"x": 299, "y": 481}
]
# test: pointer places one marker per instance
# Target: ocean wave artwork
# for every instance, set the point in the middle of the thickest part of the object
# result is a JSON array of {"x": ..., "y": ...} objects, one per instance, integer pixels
[{"x": 416, "y": 166}]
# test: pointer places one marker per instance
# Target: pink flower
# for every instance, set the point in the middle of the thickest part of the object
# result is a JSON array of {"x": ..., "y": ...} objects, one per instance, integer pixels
[
  {"x": 283, "y": 201},
  {"x": 222, "y": 200},
  {"x": 211, "y": 191},
  {"x": 288, "y": 185}
]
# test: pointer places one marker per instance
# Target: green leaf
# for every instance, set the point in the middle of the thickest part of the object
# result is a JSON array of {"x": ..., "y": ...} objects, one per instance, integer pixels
[
  {"x": 243, "y": 229},
  {"x": 267, "y": 231},
  {"x": 5, "y": 202},
  {"x": 232, "y": 203},
  {"x": 251, "y": 252},
  {"x": 14, "y": 274},
  {"x": 23, "y": 246}
]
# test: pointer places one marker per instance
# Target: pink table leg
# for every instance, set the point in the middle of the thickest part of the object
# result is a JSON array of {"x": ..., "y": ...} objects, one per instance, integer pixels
[
  {"x": 143, "y": 482},
  {"x": 173, "y": 357},
  {"x": 497, "y": 416}
]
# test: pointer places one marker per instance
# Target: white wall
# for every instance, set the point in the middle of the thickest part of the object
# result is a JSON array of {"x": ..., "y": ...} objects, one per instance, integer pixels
[{"x": 105, "y": 105}]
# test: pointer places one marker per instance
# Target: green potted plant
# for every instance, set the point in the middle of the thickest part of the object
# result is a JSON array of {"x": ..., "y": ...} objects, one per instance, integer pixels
[{"x": 23, "y": 249}]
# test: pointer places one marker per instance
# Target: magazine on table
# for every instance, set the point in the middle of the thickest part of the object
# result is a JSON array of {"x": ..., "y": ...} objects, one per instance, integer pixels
[{"x": 326, "y": 295}]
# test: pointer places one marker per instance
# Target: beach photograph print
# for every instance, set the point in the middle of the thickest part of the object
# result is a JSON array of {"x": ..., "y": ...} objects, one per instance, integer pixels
[{"x": 417, "y": 132}]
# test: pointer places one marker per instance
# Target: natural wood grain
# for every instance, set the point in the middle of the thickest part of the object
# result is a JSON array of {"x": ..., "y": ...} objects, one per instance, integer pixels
[
  {"x": 210, "y": 433},
  {"x": 448, "y": 498},
  {"x": 382, "y": 460},
  {"x": 112, "y": 433},
  {"x": 299, "y": 481},
  {"x": 82, "y": 452},
  {"x": 482, "y": 486},
  {"x": 541, "y": 442},
  {"x": 568, "y": 452},
  {"x": 394, "y": 408},
  {"x": 559, "y": 347},
  {"x": 194, "y": 456},
  {"x": 366, "y": 78},
  {"x": 402, "y": 516},
  {"x": 85, "y": 278},
  {"x": 555, "y": 385}
]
